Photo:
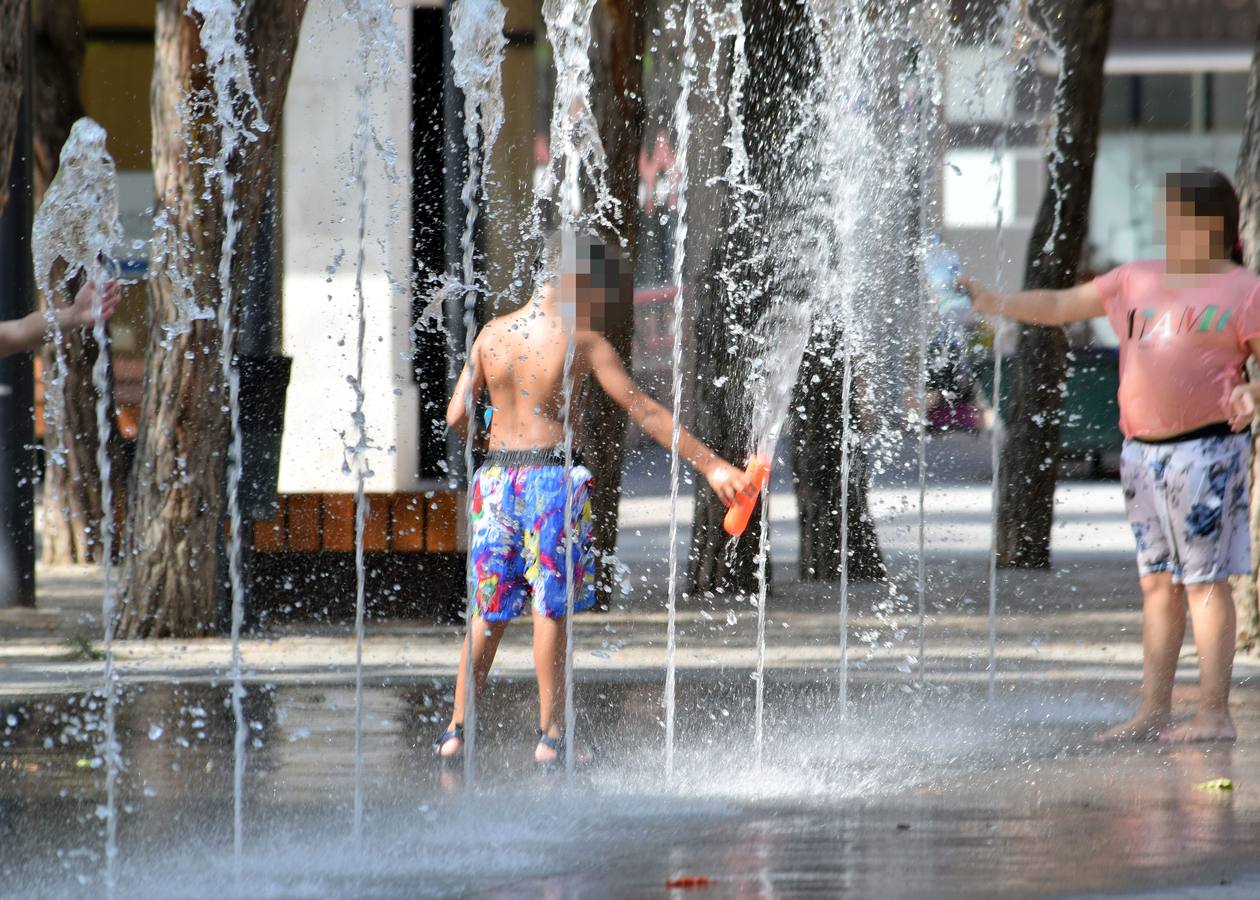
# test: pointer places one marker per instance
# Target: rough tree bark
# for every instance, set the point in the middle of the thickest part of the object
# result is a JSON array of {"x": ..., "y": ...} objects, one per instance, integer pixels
[
  {"x": 817, "y": 446},
  {"x": 72, "y": 497},
  {"x": 12, "y": 44},
  {"x": 734, "y": 285},
  {"x": 175, "y": 500},
  {"x": 1030, "y": 455},
  {"x": 1248, "y": 183},
  {"x": 720, "y": 313},
  {"x": 619, "y": 29}
]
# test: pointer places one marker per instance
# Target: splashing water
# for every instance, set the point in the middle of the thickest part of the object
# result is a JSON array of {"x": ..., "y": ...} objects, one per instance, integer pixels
[
  {"x": 77, "y": 223},
  {"x": 682, "y": 131},
  {"x": 821, "y": 285},
  {"x": 1021, "y": 37},
  {"x": 577, "y": 151},
  {"x": 477, "y": 44},
  {"x": 925, "y": 98},
  {"x": 239, "y": 115},
  {"x": 379, "y": 47},
  {"x": 577, "y": 157}
]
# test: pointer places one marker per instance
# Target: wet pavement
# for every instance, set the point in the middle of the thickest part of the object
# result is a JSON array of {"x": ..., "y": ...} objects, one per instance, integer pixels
[
  {"x": 930, "y": 793},
  {"x": 915, "y": 792}
]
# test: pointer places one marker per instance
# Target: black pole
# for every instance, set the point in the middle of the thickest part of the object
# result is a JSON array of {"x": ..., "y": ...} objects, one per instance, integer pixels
[
  {"x": 456, "y": 159},
  {"x": 17, "y": 380},
  {"x": 431, "y": 363}
]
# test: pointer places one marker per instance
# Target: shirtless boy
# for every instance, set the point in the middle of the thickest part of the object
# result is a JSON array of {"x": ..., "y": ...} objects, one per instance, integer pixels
[{"x": 518, "y": 494}]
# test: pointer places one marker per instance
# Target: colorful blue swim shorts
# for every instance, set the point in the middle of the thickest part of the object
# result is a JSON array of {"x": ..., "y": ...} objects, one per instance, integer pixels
[{"x": 518, "y": 542}]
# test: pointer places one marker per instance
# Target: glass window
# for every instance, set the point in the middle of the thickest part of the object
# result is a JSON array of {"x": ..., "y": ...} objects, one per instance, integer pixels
[
  {"x": 1165, "y": 102},
  {"x": 1229, "y": 100},
  {"x": 1117, "y": 102}
]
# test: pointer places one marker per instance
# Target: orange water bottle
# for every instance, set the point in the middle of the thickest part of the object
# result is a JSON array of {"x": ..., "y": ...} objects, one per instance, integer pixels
[{"x": 740, "y": 511}]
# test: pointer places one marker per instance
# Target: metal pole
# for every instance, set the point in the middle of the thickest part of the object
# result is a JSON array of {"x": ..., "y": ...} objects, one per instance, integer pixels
[{"x": 17, "y": 379}]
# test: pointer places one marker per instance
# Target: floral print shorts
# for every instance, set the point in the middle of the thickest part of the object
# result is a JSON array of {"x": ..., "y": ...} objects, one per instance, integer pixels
[
  {"x": 1187, "y": 504},
  {"x": 518, "y": 541}
]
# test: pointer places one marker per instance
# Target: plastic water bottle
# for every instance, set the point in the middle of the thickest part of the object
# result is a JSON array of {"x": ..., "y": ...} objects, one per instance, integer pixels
[{"x": 943, "y": 268}]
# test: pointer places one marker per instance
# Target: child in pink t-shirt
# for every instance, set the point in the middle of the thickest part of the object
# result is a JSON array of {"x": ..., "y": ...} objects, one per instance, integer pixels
[{"x": 1187, "y": 325}]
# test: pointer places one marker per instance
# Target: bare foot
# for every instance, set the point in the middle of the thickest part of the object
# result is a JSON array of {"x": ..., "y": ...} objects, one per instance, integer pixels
[
  {"x": 1204, "y": 726},
  {"x": 1142, "y": 727}
]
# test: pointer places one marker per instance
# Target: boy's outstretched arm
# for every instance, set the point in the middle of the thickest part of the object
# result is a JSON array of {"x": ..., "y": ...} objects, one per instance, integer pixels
[
  {"x": 726, "y": 480},
  {"x": 1037, "y": 307},
  {"x": 457, "y": 410},
  {"x": 27, "y": 333}
]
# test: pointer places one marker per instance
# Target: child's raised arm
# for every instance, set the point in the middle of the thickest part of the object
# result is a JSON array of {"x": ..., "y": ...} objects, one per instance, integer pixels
[
  {"x": 725, "y": 479},
  {"x": 457, "y": 410},
  {"x": 25, "y": 334},
  {"x": 1037, "y": 307}
]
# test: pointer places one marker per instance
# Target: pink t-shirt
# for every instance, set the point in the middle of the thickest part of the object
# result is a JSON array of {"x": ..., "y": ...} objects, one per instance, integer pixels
[{"x": 1183, "y": 344}]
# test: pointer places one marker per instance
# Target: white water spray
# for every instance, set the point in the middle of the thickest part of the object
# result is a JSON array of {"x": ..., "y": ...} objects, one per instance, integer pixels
[
  {"x": 929, "y": 61},
  {"x": 846, "y": 468},
  {"x": 477, "y": 45},
  {"x": 240, "y": 118},
  {"x": 682, "y": 130},
  {"x": 844, "y": 148},
  {"x": 379, "y": 48},
  {"x": 77, "y": 223},
  {"x": 1019, "y": 35}
]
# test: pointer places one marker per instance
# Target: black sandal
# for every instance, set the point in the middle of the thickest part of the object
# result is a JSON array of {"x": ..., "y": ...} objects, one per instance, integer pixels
[
  {"x": 554, "y": 744},
  {"x": 455, "y": 733}
]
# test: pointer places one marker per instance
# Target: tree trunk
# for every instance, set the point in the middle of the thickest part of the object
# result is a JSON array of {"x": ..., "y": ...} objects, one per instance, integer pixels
[
  {"x": 617, "y": 99},
  {"x": 175, "y": 501},
  {"x": 817, "y": 446},
  {"x": 12, "y": 44},
  {"x": 72, "y": 498},
  {"x": 1248, "y": 179},
  {"x": 1030, "y": 455},
  {"x": 734, "y": 287},
  {"x": 724, "y": 427}
]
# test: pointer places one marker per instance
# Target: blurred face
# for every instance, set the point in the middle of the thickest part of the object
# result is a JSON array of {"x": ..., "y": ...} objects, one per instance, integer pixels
[
  {"x": 582, "y": 301},
  {"x": 1191, "y": 237},
  {"x": 586, "y": 287}
]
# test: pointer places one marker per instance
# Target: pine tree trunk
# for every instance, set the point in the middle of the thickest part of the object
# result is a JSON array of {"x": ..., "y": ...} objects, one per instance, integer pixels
[
  {"x": 12, "y": 44},
  {"x": 617, "y": 67},
  {"x": 1030, "y": 455},
  {"x": 1248, "y": 179},
  {"x": 175, "y": 500}
]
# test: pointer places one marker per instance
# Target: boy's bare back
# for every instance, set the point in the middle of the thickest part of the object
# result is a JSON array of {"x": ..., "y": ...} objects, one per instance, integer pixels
[{"x": 521, "y": 358}]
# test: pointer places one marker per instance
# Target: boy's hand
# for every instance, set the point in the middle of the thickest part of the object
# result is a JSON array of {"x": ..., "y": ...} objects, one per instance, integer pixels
[
  {"x": 1242, "y": 407},
  {"x": 81, "y": 312},
  {"x": 726, "y": 480},
  {"x": 983, "y": 300}
]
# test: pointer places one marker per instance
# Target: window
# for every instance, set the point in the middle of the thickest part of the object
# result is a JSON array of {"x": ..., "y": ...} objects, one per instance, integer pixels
[
  {"x": 1118, "y": 108},
  {"x": 1165, "y": 102},
  {"x": 1227, "y": 106},
  {"x": 1175, "y": 102}
]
